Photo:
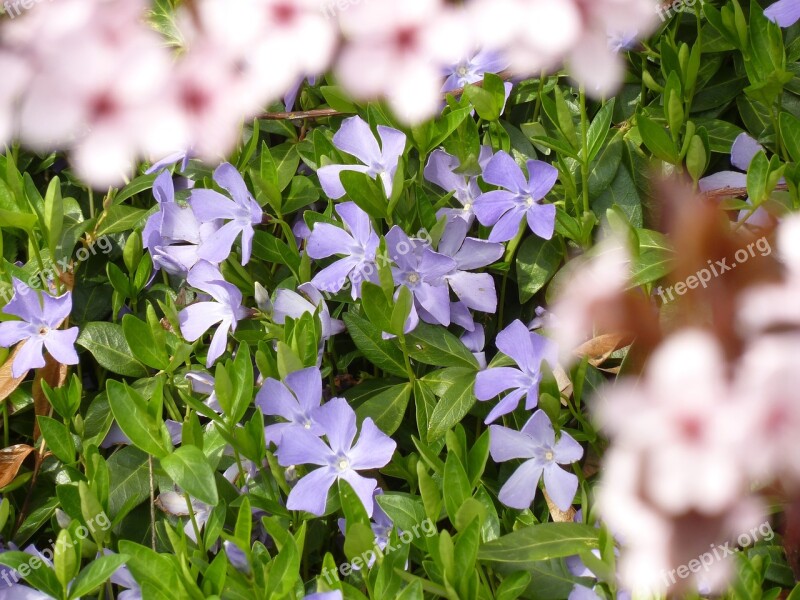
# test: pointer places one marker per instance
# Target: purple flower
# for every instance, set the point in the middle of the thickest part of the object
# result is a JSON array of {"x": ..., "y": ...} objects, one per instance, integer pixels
[
  {"x": 41, "y": 318},
  {"x": 174, "y": 503},
  {"x": 520, "y": 198},
  {"x": 242, "y": 213},
  {"x": 338, "y": 459},
  {"x": 236, "y": 556},
  {"x": 291, "y": 304},
  {"x": 182, "y": 156},
  {"x": 123, "y": 578},
  {"x": 11, "y": 589},
  {"x": 381, "y": 526},
  {"x": 174, "y": 235},
  {"x": 227, "y": 309},
  {"x": 333, "y": 595},
  {"x": 356, "y": 138},
  {"x": 357, "y": 243},
  {"x": 475, "y": 340},
  {"x": 423, "y": 272},
  {"x": 536, "y": 443},
  {"x": 473, "y": 68},
  {"x": 203, "y": 383},
  {"x": 784, "y": 12},
  {"x": 441, "y": 170},
  {"x": 475, "y": 290},
  {"x": 297, "y": 400},
  {"x": 528, "y": 350},
  {"x": 291, "y": 96},
  {"x": 743, "y": 150}
]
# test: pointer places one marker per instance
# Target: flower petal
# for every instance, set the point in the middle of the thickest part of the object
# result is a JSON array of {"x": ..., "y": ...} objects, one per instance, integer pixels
[
  {"x": 543, "y": 177},
  {"x": 567, "y": 449},
  {"x": 489, "y": 207},
  {"x": 491, "y": 382},
  {"x": 540, "y": 429},
  {"x": 355, "y": 137},
  {"x": 338, "y": 420},
  {"x": 475, "y": 290},
  {"x": 311, "y": 492},
  {"x": 331, "y": 182},
  {"x": 520, "y": 489},
  {"x": 743, "y": 151},
  {"x": 560, "y": 485},
  {"x": 503, "y": 171},
  {"x": 508, "y": 444},
  {"x": 542, "y": 220},
  {"x": 364, "y": 487},
  {"x": 307, "y": 387},
  {"x": 326, "y": 240},
  {"x": 373, "y": 450},
  {"x": 301, "y": 448},
  {"x": 61, "y": 345},
  {"x": 508, "y": 225}
]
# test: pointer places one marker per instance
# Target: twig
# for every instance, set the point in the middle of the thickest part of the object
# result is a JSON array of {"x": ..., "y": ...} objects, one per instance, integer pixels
[{"x": 736, "y": 192}]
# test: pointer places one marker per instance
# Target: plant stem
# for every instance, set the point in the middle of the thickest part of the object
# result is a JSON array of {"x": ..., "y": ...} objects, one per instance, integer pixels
[
  {"x": 195, "y": 526},
  {"x": 411, "y": 377},
  {"x": 511, "y": 252}
]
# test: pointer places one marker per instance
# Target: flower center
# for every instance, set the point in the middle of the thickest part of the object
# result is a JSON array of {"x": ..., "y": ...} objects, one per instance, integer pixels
[
  {"x": 462, "y": 71},
  {"x": 529, "y": 201},
  {"x": 307, "y": 425},
  {"x": 468, "y": 206},
  {"x": 549, "y": 456},
  {"x": 342, "y": 464},
  {"x": 413, "y": 278},
  {"x": 43, "y": 330}
]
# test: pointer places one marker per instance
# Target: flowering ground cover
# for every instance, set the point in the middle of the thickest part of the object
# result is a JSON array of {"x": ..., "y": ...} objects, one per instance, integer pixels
[{"x": 363, "y": 299}]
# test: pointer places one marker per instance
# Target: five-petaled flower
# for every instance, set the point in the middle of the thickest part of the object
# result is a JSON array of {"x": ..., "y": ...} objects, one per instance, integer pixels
[
  {"x": 528, "y": 350},
  {"x": 520, "y": 198},
  {"x": 40, "y": 319},
  {"x": 537, "y": 444},
  {"x": 242, "y": 213},
  {"x": 338, "y": 459},
  {"x": 226, "y": 309},
  {"x": 297, "y": 400},
  {"x": 357, "y": 244},
  {"x": 356, "y": 138}
]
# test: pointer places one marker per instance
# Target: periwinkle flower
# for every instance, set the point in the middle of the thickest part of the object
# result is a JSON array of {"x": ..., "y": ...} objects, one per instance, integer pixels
[
  {"x": 174, "y": 503},
  {"x": 442, "y": 170},
  {"x": 355, "y": 137},
  {"x": 743, "y": 150},
  {"x": 475, "y": 340},
  {"x": 473, "y": 68},
  {"x": 356, "y": 244},
  {"x": 236, "y": 556},
  {"x": 333, "y": 595},
  {"x": 423, "y": 272},
  {"x": 381, "y": 526},
  {"x": 240, "y": 210},
  {"x": 41, "y": 316},
  {"x": 536, "y": 443},
  {"x": 339, "y": 458},
  {"x": 124, "y": 579},
  {"x": 291, "y": 304},
  {"x": 520, "y": 198},
  {"x": 784, "y": 12},
  {"x": 226, "y": 309},
  {"x": 529, "y": 350},
  {"x": 475, "y": 290},
  {"x": 297, "y": 400}
]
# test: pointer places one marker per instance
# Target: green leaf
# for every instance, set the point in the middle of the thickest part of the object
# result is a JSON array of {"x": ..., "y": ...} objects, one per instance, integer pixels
[
  {"x": 98, "y": 571},
  {"x": 600, "y": 128},
  {"x": 53, "y": 214},
  {"x": 405, "y": 510},
  {"x": 513, "y": 586},
  {"x": 34, "y": 571},
  {"x": 106, "y": 342},
  {"x": 133, "y": 417},
  {"x": 366, "y": 193},
  {"x": 188, "y": 467},
  {"x": 545, "y": 541},
  {"x": 455, "y": 485},
  {"x": 757, "y": 176},
  {"x": 119, "y": 219},
  {"x": 376, "y": 306},
  {"x": 384, "y": 354},
  {"x": 790, "y": 133},
  {"x": 387, "y": 408},
  {"x": 152, "y": 569},
  {"x": 58, "y": 439},
  {"x": 143, "y": 343},
  {"x": 452, "y": 407},
  {"x": 537, "y": 262},
  {"x": 434, "y": 345},
  {"x": 130, "y": 482},
  {"x": 657, "y": 139}
]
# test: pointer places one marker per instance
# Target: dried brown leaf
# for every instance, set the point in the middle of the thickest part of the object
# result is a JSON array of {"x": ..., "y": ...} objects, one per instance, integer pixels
[
  {"x": 8, "y": 383},
  {"x": 11, "y": 460}
]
